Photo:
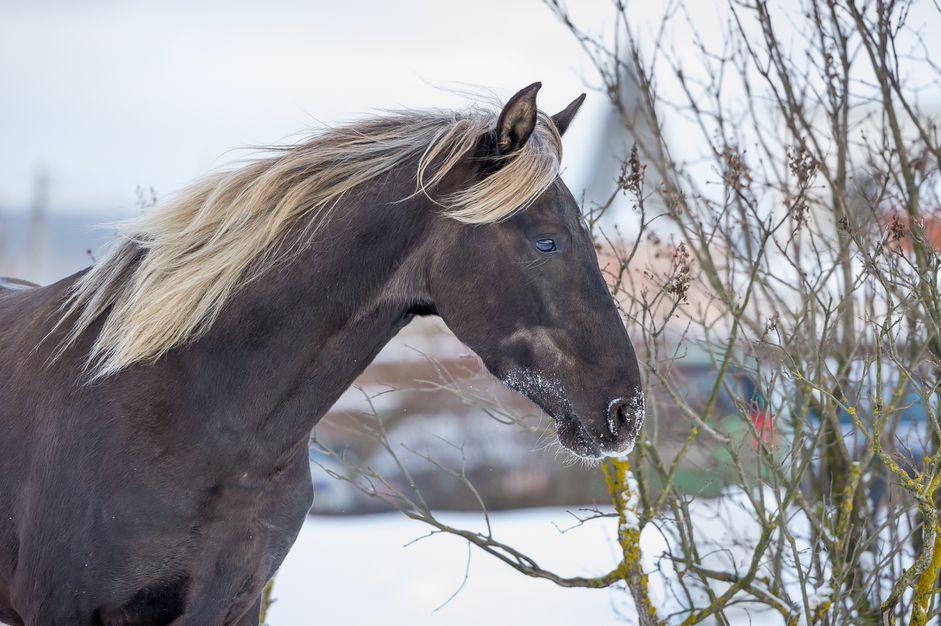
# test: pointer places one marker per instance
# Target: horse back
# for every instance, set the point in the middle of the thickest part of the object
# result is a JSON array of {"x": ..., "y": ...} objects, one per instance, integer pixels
[
  {"x": 8, "y": 283},
  {"x": 27, "y": 313}
]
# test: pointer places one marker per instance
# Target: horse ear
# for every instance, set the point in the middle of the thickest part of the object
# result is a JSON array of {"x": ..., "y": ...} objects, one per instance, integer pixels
[
  {"x": 517, "y": 120},
  {"x": 563, "y": 118}
]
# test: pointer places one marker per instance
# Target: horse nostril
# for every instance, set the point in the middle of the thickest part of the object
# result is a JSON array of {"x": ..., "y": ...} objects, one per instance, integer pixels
[
  {"x": 623, "y": 417},
  {"x": 617, "y": 417}
]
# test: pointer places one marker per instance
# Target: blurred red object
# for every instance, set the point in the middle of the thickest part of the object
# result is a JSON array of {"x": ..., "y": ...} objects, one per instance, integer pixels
[{"x": 764, "y": 424}]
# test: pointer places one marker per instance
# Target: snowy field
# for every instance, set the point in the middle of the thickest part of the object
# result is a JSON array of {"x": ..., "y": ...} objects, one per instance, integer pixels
[{"x": 358, "y": 571}]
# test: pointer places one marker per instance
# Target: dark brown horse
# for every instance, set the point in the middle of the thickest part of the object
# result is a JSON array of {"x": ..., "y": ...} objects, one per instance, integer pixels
[{"x": 155, "y": 409}]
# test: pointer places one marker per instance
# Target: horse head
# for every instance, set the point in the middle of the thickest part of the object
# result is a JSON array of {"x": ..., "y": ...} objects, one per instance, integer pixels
[{"x": 527, "y": 295}]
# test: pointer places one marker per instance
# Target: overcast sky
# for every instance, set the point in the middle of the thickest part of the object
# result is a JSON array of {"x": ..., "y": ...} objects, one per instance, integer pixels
[{"x": 108, "y": 95}]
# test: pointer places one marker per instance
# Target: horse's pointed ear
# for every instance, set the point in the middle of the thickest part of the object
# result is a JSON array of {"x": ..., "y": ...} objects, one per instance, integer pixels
[
  {"x": 517, "y": 120},
  {"x": 563, "y": 118}
]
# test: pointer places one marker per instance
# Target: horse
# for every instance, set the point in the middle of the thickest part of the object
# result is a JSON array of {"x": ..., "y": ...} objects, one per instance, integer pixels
[{"x": 156, "y": 407}]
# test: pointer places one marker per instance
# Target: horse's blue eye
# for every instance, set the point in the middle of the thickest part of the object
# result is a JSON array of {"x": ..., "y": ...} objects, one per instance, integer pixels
[{"x": 545, "y": 245}]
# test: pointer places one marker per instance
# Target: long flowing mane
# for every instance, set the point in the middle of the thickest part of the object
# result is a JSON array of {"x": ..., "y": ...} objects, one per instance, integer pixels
[{"x": 165, "y": 282}]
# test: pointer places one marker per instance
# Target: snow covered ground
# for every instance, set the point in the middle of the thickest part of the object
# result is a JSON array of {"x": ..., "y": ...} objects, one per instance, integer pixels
[{"x": 358, "y": 571}]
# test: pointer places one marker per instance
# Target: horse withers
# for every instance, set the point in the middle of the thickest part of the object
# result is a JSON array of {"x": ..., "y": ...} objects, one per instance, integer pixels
[{"x": 155, "y": 408}]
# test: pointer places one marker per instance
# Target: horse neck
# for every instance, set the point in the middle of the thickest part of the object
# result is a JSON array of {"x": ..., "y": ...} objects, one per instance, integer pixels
[{"x": 292, "y": 341}]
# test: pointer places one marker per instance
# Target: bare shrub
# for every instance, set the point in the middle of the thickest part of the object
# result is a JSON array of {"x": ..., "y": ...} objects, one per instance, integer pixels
[{"x": 786, "y": 191}]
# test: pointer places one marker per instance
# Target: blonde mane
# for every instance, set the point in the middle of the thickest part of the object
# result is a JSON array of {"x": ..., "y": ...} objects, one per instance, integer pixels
[{"x": 176, "y": 266}]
